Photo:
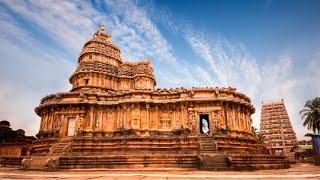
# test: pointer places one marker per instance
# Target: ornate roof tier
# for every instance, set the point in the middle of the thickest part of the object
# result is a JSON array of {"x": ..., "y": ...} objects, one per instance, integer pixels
[{"x": 100, "y": 67}]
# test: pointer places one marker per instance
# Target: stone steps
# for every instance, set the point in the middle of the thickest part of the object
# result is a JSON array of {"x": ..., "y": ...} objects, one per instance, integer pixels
[
  {"x": 214, "y": 162},
  {"x": 206, "y": 144},
  {"x": 60, "y": 148},
  {"x": 11, "y": 161},
  {"x": 137, "y": 161},
  {"x": 258, "y": 161}
]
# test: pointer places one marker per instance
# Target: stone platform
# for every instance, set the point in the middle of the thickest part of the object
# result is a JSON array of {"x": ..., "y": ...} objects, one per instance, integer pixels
[{"x": 223, "y": 151}]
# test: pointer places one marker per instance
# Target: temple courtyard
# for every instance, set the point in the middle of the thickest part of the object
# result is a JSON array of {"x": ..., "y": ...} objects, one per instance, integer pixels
[{"x": 297, "y": 171}]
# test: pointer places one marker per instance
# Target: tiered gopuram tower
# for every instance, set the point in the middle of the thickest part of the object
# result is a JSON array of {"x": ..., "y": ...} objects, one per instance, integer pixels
[
  {"x": 276, "y": 128},
  {"x": 114, "y": 117}
]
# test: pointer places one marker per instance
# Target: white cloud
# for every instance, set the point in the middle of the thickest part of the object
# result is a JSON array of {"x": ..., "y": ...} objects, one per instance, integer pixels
[
  {"x": 26, "y": 77},
  {"x": 230, "y": 66},
  {"x": 233, "y": 66},
  {"x": 72, "y": 23}
]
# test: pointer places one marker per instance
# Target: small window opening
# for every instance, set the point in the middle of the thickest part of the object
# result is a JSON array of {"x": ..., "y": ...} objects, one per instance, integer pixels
[{"x": 86, "y": 81}]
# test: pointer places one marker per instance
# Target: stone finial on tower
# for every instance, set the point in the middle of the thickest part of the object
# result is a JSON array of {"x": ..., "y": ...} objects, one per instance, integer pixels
[{"x": 102, "y": 27}]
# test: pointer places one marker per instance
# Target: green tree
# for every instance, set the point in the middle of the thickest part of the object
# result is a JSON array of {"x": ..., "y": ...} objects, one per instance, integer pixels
[
  {"x": 257, "y": 135},
  {"x": 311, "y": 114},
  {"x": 260, "y": 138},
  {"x": 254, "y": 130}
]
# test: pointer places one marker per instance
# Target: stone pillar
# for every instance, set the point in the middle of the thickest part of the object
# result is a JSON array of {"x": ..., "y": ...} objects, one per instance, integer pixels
[
  {"x": 107, "y": 120},
  {"x": 210, "y": 120},
  {"x": 182, "y": 115},
  {"x": 125, "y": 116},
  {"x": 42, "y": 121},
  {"x": 247, "y": 119},
  {"x": 52, "y": 118},
  {"x": 225, "y": 109},
  {"x": 140, "y": 122},
  {"x": 239, "y": 118},
  {"x": 157, "y": 114},
  {"x": 63, "y": 126},
  {"x": 118, "y": 117},
  {"x": 242, "y": 121},
  {"x": 231, "y": 116},
  {"x": 101, "y": 118},
  {"x": 91, "y": 118},
  {"x": 132, "y": 110},
  {"x": 174, "y": 117},
  {"x": 148, "y": 119}
]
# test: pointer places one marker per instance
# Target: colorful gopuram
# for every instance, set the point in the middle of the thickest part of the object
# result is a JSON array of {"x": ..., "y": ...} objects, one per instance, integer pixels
[
  {"x": 276, "y": 128},
  {"x": 114, "y": 117}
]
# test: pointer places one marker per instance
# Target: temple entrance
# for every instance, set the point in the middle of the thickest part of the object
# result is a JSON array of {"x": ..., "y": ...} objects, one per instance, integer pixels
[
  {"x": 204, "y": 123},
  {"x": 71, "y": 126}
]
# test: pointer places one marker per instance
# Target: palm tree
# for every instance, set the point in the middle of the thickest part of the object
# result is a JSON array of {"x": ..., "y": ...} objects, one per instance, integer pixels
[
  {"x": 254, "y": 130},
  {"x": 311, "y": 114},
  {"x": 257, "y": 135},
  {"x": 261, "y": 139}
]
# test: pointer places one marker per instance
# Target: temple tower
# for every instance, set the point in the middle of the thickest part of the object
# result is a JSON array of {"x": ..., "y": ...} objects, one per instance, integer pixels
[
  {"x": 276, "y": 127},
  {"x": 101, "y": 68}
]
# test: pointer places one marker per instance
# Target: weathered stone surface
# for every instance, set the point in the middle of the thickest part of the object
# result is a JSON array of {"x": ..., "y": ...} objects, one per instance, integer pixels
[{"x": 13, "y": 142}]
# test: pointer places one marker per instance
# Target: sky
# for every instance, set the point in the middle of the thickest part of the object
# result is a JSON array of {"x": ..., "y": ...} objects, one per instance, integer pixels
[{"x": 268, "y": 50}]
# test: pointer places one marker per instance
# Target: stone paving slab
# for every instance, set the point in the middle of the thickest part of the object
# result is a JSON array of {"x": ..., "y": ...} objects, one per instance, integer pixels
[{"x": 297, "y": 171}]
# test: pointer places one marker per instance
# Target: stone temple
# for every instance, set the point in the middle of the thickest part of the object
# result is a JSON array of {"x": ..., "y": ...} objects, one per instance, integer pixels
[{"x": 114, "y": 117}]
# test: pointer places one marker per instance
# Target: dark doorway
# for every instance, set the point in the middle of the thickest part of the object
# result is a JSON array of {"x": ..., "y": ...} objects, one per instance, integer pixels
[
  {"x": 24, "y": 151},
  {"x": 205, "y": 117}
]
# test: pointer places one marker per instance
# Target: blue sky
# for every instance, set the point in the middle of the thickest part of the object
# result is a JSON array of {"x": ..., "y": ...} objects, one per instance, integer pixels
[{"x": 266, "y": 49}]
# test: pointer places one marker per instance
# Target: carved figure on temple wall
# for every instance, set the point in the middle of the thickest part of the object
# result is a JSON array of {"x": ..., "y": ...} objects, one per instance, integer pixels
[
  {"x": 97, "y": 124},
  {"x": 57, "y": 122},
  {"x": 104, "y": 120},
  {"x": 192, "y": 121},
  {"x": 88, "y": 120},
  {"x": 152, "y": 123},
  {"x": 237, "y": 121},
  {"x": 178, "y": 118},
  {"x": 135, "y": 122},
  {"x": 79, "y": 123},
  {"x": 222, "y": 120},
  {"x": 216, "y": 119}
]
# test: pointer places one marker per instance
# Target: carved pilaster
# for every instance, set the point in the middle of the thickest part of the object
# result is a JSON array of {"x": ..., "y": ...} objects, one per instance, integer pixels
[
  {"x": 225, "y": 109},
  {"x": 118, "y": 117},
  {"x": 157, "y": 114},
  {"x": 91, "y": 117},
  {"x": 100, "y": 120},
  {"x": 51, "y": 119},
  {"x": 125, "y": 116},
  {"x": 147, "y": 109},
  {"x": 182, "y": 107}
]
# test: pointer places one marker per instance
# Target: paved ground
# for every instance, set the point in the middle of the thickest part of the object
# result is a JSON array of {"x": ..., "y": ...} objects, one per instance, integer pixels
[{"x": 297, "y": 171}]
